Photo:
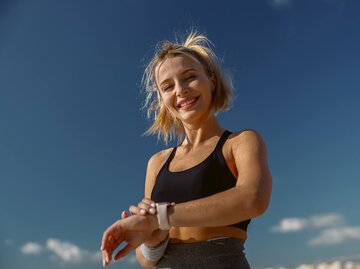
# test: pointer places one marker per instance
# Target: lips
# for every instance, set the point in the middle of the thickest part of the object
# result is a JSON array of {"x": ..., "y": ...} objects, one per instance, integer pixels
[{"x": 186, "y": 102}]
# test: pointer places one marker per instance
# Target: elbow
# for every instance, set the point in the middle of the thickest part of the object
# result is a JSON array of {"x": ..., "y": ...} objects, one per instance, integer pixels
[
  {"x": 256, "y": 207},
  {"x": 260, "y": 207},
  {"x": 259, "y": 201}
]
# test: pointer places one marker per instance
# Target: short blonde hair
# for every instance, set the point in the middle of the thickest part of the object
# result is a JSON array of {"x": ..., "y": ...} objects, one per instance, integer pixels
[{"x": 165, "y": 124}]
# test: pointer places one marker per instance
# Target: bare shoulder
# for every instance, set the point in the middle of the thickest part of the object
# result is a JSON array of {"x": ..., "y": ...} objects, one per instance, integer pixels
[
  {"x": 158, "y": 159},
  {"x": 154, "y": 165},
  {"x": 247, "y": 140},
  {"x": 250, "y": 158}
]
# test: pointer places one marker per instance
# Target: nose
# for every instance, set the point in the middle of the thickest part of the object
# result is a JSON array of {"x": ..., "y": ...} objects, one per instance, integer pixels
[{"x": 182, "y": 89}]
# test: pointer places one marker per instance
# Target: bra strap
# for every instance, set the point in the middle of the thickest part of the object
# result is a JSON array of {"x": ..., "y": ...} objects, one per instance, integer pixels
[
  {"x": 222, "y": 140},
  {"x": 218, "y": 149},
  {"x": 171, "y": 156}
]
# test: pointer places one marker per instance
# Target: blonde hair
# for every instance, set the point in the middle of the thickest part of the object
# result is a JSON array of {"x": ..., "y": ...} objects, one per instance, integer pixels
[{"x": 165, "y": 124}]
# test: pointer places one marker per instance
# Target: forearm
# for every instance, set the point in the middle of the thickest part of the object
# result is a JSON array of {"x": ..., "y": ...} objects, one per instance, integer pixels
[{"x": 225, "y": 208}]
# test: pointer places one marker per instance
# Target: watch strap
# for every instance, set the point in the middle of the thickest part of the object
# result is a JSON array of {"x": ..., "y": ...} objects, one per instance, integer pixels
[{"x": 162, "y": 215}]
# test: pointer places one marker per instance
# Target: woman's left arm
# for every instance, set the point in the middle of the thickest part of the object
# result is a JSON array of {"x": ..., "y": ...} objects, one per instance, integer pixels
[{"x": 248, "y": 199}]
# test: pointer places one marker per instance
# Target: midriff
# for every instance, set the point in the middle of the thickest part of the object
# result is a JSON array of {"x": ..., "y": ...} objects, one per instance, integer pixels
[{"x": 198, "y": 234}]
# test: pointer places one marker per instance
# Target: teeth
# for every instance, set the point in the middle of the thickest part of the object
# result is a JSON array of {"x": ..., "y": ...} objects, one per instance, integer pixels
[{"x": 187, "y": 103}]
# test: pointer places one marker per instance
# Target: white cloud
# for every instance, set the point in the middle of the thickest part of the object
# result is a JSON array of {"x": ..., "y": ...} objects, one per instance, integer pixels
[
  {"x": 329, "y": 264},
  {"x": 63, "y": 251},
  {"x": 290, "y": 225},
  {"x": 327, "y": 220},
  {"x": 277, "y": 4},
  {"x": 336, "y": 235},
  {"x": 31, "y": 248},
  {"x": 69, "y": 252},
  {"x": 317, "y": 221}
]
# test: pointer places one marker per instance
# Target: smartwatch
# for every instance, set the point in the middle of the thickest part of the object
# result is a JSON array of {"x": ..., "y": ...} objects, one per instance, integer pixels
[{"x": 162, "y": 215}]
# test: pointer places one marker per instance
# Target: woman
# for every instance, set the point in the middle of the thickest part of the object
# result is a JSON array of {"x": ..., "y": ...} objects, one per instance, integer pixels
[{"x": 216, "y": 181}]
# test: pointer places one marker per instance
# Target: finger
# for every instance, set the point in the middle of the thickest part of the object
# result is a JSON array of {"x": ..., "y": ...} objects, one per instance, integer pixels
[
  {"x": 134, "y": 210},
  {"x": 152, "y": 210},
  {"x": 146, "y": 208},
  {"x": 108, "y": 245},
  {"x": 104, "y": 239},
  {"x": 107, "y": 241},
  {"x": 123, "y": 252},
  {"x": 152, "y": 204},
  {"x": 124, "y": 214},
  {"x": 108, "y": 250},
  {"x": 149, "y": 202},
  {"x": 103, "y": 258}
]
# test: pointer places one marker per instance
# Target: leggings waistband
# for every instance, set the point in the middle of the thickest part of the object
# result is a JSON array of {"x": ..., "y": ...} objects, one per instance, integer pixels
[{"x": 212, "y": 254}]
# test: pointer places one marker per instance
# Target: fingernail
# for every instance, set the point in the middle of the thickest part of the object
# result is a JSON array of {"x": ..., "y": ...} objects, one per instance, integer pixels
[
  {"x": 152, "y": 204},
  {"x": 152, "y": 210},
  {"x": 142, "y": 212}
]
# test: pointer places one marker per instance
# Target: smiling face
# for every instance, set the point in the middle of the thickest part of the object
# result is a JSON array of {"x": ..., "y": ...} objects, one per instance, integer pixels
[{"x": 185, "y": 88}]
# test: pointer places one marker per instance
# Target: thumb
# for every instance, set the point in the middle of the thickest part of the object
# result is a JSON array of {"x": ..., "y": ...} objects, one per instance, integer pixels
[{"x": 123, "y": 252}]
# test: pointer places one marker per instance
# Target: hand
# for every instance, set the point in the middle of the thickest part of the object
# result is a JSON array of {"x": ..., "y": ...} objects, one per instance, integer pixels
[
  {"x": 134, "y": 230},
  {"x": 147, "y": 206}
]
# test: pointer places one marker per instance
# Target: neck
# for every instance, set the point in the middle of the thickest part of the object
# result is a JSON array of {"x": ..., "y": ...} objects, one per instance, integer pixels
[{"x": 198, "y": 134}]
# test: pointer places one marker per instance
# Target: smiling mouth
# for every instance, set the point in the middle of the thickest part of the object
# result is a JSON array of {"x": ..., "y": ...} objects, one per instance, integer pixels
[{"x": 188, "y": 103}]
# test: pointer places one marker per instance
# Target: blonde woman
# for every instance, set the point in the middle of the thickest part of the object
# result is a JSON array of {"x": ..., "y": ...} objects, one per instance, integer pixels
[{"x": 200, "y": 195}]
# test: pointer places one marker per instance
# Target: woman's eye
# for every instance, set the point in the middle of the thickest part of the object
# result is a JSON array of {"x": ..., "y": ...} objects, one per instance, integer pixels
[
  {"x": 167, "y": 88},
  {"x": 190, "y": 77}
]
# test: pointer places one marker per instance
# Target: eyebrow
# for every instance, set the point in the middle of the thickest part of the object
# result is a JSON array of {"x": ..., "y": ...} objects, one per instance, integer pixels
[{"x": 184, "y": 72}]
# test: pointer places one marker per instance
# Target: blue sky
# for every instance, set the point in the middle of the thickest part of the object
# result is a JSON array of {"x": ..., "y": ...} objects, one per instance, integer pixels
[{"x": 72, "y": 154}]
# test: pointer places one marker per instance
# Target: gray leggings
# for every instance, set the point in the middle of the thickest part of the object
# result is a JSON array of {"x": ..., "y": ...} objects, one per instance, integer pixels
[{"x": 224, "y": 253}]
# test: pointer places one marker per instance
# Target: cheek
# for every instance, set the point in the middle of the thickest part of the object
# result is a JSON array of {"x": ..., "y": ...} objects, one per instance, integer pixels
[
  {"x": 168, "y": 98},
  {"x": 168, "y": 103}
]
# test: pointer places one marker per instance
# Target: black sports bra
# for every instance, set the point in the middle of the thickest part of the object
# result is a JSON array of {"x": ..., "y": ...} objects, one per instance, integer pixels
[{"x": 204, "y": 179}]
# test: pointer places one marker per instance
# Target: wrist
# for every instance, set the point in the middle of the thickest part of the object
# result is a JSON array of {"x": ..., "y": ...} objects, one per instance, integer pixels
[
  {"x": 157, "y": 238},
  {"x": 154, "y": 224}
]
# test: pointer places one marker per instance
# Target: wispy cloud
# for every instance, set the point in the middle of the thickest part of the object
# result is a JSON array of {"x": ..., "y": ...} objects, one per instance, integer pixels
[
  {"x": 336, "y": 235},
  {"x": 62, "y": 251},
  {"x": 332, "y": 264},
  {"x": 333, "y": 228},
  {"x": 66, "y": 252},
  {"x": 287, "y": 225},
  {"x": 31, "y": 248},
  {"x": 70, "y": 253},
  {"x": 278, "y": 4},
  {"x": 326, "y": 220},
  {"x": 290, "y": 225}
]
